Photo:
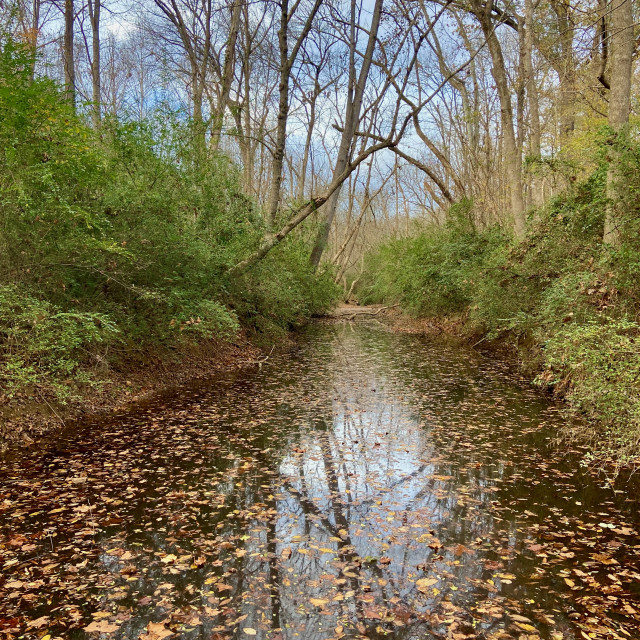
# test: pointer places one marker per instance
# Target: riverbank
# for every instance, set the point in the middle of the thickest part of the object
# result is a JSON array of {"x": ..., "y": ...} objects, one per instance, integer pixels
[
  {"x": 565, "y": 303},
  {"x": 526, "y": 358},
  {"x": 30, "y": 415}
]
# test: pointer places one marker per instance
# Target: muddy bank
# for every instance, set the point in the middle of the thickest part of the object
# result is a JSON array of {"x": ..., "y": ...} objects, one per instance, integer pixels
[{"x": 134, "y": 376}]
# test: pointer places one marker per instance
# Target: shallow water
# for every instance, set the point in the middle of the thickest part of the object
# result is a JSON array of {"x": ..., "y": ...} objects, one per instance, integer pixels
[{"x": 367, "y": 485}]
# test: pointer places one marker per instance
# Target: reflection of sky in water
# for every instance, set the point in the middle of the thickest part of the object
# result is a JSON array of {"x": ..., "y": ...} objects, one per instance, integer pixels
[
  {"x": 371, "y": 483},
  {"x": 369, "y": 474}
]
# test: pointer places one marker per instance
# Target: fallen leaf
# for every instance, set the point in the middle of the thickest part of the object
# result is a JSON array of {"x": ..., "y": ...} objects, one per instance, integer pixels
[
  {"x": 424, "y": 583},
  {"x": 101, "y": 627},
  {"x": 156, "y": 631},
  {"x": 318, "y": 602},
  {"x": 39, "y": 622}
]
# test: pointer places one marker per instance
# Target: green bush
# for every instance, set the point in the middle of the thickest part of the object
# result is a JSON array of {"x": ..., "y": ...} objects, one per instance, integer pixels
[
  {"x": 44, "y": 346},
  {"x": 124, "y": 238},
  {"x": 434, "y": 272},
  {"x": 569, "y": 303},
  {"x": 597, "y": 365}
]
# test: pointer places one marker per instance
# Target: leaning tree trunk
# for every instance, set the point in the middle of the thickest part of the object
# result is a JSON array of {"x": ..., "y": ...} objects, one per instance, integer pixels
[{"x": 622, "y": 48}]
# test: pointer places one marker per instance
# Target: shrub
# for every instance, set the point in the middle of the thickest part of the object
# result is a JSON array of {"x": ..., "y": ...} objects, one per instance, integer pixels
[
  {"x": 597, "y": 365},
  {"x": 125, "y": 237},
  {"x": 44, "y": 346}
]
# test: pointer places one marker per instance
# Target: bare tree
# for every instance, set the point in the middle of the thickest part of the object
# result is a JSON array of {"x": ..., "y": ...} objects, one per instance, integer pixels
[
  {"x": 94, "y": 18},
  {"x": 225, "y": 72},
  {"x": 622, "y": 49},
  {"x": 287, "y": 61},
  {"x": 484, "y": 12},
  {"x": 355, "y": 94},
  {"x": 69, "y": 57}
]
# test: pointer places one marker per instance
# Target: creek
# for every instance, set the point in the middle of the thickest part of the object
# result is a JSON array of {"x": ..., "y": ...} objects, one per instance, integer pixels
[{"x": 366, "y": 484}]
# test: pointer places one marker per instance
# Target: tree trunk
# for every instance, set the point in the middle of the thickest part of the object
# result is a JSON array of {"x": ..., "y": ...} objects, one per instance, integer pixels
[
  {"x": 94, "y": 17},
  {"x": 512, "y": 154},
  {"x": 565, "y": 67},
  {"x": 622, "y": 48},
  {"x": 535, "y": 146},
  {"x": 286, "y": 63},
  {"x": 227, "y": 75},
  {"x": 198, "y": 120},
  {"x": 307, "y": 142},
  {"x": 30, "y": 26},
  {"x": 283, "y": 114},
  {"x": 69, "y": 62},
  {"x": 352, "y": 117}
]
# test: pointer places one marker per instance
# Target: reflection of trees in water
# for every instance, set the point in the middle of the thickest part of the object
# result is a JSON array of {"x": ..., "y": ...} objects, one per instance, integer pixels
[
  {"x": 359, "y": 454},
  {"x": 364, "y": 460},
  {"x": 343, "y": 482}
]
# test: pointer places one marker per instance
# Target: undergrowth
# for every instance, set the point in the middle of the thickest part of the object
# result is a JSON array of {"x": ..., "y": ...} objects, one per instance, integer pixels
[
  {"x": 124, "y": 239},
  {"x": 560, "y": 289}
]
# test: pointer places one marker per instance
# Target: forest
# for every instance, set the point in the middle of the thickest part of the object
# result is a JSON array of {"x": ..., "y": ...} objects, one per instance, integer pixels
[
  {"x": 174, "y": 172},
  {"x": 319, "y": 320}
]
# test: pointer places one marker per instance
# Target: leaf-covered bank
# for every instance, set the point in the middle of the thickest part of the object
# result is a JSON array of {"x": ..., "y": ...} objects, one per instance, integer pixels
[
  {"x": 119, "y": 241},
  {"x": 567, "y": 302}
]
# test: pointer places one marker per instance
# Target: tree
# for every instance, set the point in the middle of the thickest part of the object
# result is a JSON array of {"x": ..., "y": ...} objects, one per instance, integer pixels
[
  {"x": 355, "y": 94},
  {"x": 96, "y": 97},
  {"x": 484, "y": 11},
  {"x": 286, "y": 63},
  {"x": 69, "y": 57},
  {"x": 225, "y": 72},
  {"x": 622, "y": 49},
  {"x": 192, "y": 20}
]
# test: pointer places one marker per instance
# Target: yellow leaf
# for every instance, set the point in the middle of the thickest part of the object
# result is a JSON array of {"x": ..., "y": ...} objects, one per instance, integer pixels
[
  {"x": 424, "y": 583},
  {"x": 318, "y": 602},
  {"x": 101, "y": 627},
  {"x": 249, "y": 631}
]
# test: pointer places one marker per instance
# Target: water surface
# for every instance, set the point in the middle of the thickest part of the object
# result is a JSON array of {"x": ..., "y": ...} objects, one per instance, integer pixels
[{"x": 367, "y": 485}]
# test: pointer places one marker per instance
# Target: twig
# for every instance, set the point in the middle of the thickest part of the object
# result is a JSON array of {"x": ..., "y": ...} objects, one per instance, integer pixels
[{"x": 64, "y": 424}]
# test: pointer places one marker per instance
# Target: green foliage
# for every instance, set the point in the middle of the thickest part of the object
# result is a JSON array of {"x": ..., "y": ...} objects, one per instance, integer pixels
[
  {"x": 126, "y": 237},
  {"x": 434, "y": 272},
  {"x": 598, "y": 364},
  {"x": 559, "y": 289},
  {"x": 43, "y": 345}
]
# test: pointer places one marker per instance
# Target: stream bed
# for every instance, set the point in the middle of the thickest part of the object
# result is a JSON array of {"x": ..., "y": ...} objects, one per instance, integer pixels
[{"x": 366, "y": 485}]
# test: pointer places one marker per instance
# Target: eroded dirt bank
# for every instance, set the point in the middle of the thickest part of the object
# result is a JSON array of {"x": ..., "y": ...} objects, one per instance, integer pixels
[{"x": 27, "y": 417}]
